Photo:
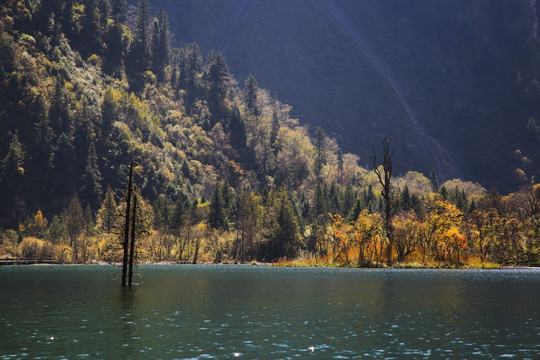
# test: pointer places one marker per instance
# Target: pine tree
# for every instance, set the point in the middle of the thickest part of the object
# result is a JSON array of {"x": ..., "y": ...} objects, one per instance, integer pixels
[
  {"x": 11, "y": 181},
  {"x": 434, "y": 181},
  {"x": 118, "y": 11},
  {"x": 162, "y": 214},
  {"x": 109, "y": 112},
  {"x": 12, "y": 164},
  {"x": 115, "y": 52},
  {"x": 108, "y": 212},
  {"x": 369, "y": 198},
  {"x": 139, "y": 50},
  {"x": 88, "y": 117},
  {"x": 247, "y": 219},
  {"x": 91, "y": 29},
  {"x": 160, "y": 44},
  {"x": 43, "y": 145},
  {"x": 104, "y": 10},
  {"x": 179, "y": 216},
  {"x": 444, "y": 192},
  {"x": 74, "y": 223},
  {"x": 250, "y": 94},
  {"x": 340, "y": 161},
  {"x": 348, "y": 199},
  {"x": 217, "y": 217},
  {"x": 59, "y": 112},
  {"x": 64, "y": 16},
  {"x": 91, "y": 180},
  {"x": 356, "y": 210},
  {"x": 334, "y": 200},
  {"x": 406, "y": 203},
  {"x": 88, "y": 231},
  {"x": 319, "y": 205},
  {"x": 274, "y": 131},
  {"x": 64, "y": 163},
  {"x": 229, "y": 203},
  {"x": 320, "y": 153},
  {"x": 237, "y": 127},
  {"x": 218, "y": 80},
  {"x": 190, "y": 68},
  {"x": 284, "y": 236}
]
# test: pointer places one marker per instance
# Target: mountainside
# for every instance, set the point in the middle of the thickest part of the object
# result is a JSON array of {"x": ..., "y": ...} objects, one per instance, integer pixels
[
  {"x": 93, "y": 94},
  {"x": 453, "y": 83}
]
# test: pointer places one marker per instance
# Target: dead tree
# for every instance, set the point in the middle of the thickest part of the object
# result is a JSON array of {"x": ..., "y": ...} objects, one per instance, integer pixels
[
  {"x": 126, "y": 228},
  {"x": 132, "y": 245},
  {"x": 385, "y": 178}
]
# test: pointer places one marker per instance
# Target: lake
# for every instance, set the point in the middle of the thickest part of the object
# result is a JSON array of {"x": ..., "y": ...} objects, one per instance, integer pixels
[{"x": 258, "y": 312}]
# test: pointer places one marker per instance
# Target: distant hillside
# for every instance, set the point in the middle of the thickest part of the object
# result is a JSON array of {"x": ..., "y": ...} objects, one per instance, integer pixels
[{"x": 453, "y": 82}]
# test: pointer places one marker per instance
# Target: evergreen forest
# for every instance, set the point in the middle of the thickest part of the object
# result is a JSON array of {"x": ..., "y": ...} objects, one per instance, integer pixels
[{"x": 223, "y": 172}]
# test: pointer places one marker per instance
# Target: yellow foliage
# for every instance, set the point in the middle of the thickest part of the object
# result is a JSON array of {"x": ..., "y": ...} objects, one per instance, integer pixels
[
  {"x": 34, "y": 248},
  {"x": 362, "y": 237},
  {"x": 95, "y": 60},
  {"x": 417, "y": 183},
  {"x": 63, "y": 253},
  {"x": 39, "y": 220}
]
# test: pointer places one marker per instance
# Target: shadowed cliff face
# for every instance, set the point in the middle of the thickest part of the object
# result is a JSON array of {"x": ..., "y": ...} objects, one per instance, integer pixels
[{"x": 453, "y": 83}]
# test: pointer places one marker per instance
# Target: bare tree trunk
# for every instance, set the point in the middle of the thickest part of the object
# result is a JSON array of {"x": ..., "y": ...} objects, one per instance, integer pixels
[
  {"x": 196, "y": 255},
  {"x": 385, "y": 178},
  {"x": 126, "y": 228},
  {"x": 132, "y": 245}
]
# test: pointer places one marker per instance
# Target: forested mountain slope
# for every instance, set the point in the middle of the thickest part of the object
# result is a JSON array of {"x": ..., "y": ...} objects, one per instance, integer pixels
[
  {"x": 88, "y": 86},
  {"x": 454, "y": 83},
  {"x": 222, "y": 170}
]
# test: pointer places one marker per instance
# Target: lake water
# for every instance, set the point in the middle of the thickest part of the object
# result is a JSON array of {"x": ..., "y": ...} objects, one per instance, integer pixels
[{"x": 256, "y": 312}]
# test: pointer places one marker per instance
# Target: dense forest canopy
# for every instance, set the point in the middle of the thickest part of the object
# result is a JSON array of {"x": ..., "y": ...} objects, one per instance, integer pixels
[
  {"x": 454, "y": 83},
  {"x": 223, "y": 172}
]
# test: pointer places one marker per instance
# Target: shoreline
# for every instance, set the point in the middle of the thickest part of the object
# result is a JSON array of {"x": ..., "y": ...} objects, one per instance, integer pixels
[{"x": 404, "y": 266}]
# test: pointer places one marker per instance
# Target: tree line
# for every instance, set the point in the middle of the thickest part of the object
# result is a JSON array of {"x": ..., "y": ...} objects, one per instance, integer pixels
[
  {"x": 241, "y": 225},
  {"x": 222, "y": 171}
]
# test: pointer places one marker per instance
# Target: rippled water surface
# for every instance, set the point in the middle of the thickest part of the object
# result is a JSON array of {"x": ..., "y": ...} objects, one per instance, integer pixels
[{"x": 254, "y": 312}]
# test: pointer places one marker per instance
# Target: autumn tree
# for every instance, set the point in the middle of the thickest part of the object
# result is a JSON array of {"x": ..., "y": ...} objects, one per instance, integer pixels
[
  {"x": 343, "y": 236},
  {"x": 406, "y": 233},
  {"x": 36, "y": 226},
  {"x": 444, "y": 221},
  {"x": 368, "y": 229}
]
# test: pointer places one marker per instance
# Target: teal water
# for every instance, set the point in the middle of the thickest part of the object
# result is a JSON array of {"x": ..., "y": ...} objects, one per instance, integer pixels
[{"x": 255, "y": 312}]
